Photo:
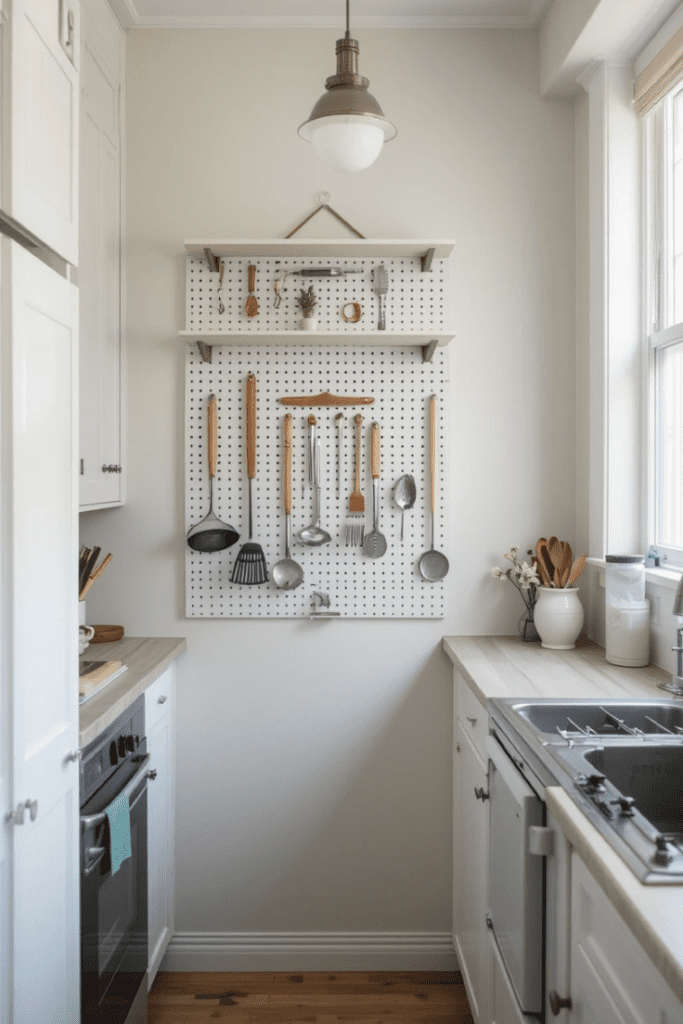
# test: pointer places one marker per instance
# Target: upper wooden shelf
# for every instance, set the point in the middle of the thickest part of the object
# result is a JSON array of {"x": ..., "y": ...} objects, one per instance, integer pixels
[{"x": 385, "y": 248}]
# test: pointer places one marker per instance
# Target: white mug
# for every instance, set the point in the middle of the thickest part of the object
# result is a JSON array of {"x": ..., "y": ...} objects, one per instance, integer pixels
[{"x": 85, "y": 635}]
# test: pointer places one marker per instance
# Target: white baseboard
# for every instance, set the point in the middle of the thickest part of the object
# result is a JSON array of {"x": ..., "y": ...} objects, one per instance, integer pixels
[{"x": 310, "y": 951}]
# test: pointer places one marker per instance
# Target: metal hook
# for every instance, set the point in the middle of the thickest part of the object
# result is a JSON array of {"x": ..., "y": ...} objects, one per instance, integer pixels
[{"x": 324, "y": 198}]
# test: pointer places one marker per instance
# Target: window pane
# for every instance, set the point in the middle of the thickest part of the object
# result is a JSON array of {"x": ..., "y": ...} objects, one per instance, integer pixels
[{"x": 669, "y": 445}]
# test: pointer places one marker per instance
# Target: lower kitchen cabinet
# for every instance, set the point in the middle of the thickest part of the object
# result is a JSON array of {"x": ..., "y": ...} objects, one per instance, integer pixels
[
  {"x": 612, "y": 980},
  {"x": 160, "y": 725},
  {"x": 470, "y": 872}
]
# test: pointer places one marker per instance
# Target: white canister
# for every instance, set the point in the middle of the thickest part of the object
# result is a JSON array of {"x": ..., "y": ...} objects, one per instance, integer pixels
[
  {"x": 559, "y": 617},
  {"x": 627, "y": 612}
]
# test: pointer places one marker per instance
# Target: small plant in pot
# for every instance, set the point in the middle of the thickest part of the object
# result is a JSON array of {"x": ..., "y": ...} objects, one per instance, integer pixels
[{"x": 307, "y": 302}]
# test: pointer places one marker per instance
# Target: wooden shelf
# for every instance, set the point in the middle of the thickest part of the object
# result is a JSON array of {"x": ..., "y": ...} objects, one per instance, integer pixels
[
  {"x": 384, "y": 248},
  {"x": 426, "y": 340}
]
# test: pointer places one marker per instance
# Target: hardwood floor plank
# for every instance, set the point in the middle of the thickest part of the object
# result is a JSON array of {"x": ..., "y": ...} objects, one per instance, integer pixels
[{"x": 314, "y": 997}]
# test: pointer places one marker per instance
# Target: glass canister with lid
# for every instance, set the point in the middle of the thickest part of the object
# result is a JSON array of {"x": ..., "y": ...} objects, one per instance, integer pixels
[{"x": 627, "y": 611}]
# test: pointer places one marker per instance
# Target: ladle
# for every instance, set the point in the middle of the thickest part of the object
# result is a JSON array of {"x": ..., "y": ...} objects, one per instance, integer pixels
[
  {"x": 404, "y": 495},
  {"x": 211, "y": 534},
  {"x": 313, "y": 535},
  {"x": 288, "y": 574},
  {"x": 433, "y": 565}
]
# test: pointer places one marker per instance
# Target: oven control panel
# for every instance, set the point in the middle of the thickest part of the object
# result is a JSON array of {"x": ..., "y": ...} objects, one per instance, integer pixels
[{"x": 111, "y": 749}]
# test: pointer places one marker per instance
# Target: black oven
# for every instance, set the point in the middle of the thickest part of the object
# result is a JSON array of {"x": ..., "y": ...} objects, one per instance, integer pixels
[{"x": 114, "y": 903}]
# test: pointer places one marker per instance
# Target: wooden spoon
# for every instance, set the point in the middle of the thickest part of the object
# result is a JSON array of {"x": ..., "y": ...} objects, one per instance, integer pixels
[
  {"x": 577, "y": 568},
  {"x": 540, "y": 569},
  {"x": 547, "y": 563},
  {"x": 251, "y": 308}
]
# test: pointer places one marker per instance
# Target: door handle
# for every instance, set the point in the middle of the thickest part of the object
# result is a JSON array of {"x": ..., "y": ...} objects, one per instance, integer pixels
[
  {"x": 17, "y": 816},
  {"x": 481, "y": 793}
]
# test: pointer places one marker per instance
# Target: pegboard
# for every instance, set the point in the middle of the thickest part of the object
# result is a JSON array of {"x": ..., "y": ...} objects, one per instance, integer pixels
[
  {"x": 358, "y": 586},
  {"x": 416, "y": 301}
]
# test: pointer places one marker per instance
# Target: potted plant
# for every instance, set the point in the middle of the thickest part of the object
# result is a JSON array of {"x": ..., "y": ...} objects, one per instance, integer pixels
[{"x": 307, "y": 303}]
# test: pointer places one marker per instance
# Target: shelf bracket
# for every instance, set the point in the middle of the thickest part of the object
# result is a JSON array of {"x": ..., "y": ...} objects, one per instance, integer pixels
[
  {"x": 428, "y": 351},
  {"x": 205, "y": 351},
  {"x": 213, "y": 261},
  {"x": 426, "y": 260}
]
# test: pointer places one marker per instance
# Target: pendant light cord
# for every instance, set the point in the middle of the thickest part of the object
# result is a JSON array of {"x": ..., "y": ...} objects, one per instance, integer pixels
[{"x": 348, "y": 32}]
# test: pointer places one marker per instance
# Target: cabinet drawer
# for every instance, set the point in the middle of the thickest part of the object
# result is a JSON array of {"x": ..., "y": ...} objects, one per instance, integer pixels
[
  {"x": 159, "y": 698},
  {"x": 474, "y": 718}
]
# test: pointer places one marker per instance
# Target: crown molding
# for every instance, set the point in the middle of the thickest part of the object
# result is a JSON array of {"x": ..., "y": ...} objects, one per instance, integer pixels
[
  {"x": 125, "y": 13},
  {"x": 457, "y": 21}
]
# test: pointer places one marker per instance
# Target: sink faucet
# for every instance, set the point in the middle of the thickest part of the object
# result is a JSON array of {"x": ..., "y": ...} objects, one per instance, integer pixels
[{"x": 676, "y": 684}]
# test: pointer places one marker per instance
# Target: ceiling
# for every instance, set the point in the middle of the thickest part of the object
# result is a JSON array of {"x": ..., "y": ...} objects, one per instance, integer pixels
[{"x": 330, "y": 13}]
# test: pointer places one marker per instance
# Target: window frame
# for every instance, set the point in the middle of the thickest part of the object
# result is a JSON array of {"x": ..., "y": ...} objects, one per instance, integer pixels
[{"x": 660, "y": 330}]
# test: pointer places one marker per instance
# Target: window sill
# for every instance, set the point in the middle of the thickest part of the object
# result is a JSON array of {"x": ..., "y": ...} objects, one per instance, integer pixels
[{"x": 658, "y": 577}]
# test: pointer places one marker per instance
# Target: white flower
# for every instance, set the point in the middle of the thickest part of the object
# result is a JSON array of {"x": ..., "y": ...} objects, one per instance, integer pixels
[
  {"x": 511, "y": 555},
  {"x": 498, "y": 573}
]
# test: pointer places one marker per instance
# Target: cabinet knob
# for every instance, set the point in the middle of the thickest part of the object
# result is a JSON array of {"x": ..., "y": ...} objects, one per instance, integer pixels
[
  {"x": 481, "y": 793},
  {"x": 17, "y": 816},
  {"x": 152, "y": 774},
  {"x": 75, "y": 755},
  {"x": 472, "y": 721},
  {"x": 557, "y": 1003},
  {"x": 163, "y": 699}
]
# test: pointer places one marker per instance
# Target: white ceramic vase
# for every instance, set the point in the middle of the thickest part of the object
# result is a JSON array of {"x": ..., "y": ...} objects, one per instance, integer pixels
[
  {"x": 309, "y": 323},
  {"x": 559, "y": 617}
]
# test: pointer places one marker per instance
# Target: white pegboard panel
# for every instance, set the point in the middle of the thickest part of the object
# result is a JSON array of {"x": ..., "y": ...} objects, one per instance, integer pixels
[
  {"x": 415, "y": 302},
  {"x": 358, "y": 587}
]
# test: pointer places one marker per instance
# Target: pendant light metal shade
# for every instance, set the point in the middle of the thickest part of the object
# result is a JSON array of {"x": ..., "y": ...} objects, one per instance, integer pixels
[{"x": 347, "y": 126}]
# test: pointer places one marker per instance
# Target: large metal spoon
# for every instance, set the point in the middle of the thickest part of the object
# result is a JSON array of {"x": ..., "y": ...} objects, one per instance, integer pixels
[
  {"x": 313, "y": 535},
  {"x": 288, "y": 574},
  {"x": 433, "y": 565},
  {"x": 405, "y": 493}
]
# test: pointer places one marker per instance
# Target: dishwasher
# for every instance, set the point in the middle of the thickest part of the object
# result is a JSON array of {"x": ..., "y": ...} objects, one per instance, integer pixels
[{"x": 528, "y": 881}]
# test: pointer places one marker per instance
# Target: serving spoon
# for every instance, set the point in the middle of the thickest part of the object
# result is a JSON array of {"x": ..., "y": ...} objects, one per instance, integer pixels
[{"x": 405, "y": 493}]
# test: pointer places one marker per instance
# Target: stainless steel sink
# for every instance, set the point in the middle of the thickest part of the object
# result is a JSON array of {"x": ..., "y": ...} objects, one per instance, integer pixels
[
  {"x": 560, "y": 720},
  {"x": 651, "y": 775},
  {"x": 622, "y": 763}
]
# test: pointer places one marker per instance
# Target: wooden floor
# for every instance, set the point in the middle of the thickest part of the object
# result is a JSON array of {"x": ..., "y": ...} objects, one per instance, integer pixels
[{"x": 315, "y": 997}]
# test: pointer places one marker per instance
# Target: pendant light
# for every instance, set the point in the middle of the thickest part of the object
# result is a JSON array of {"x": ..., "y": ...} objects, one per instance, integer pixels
[{"x": 347, "y": 126}]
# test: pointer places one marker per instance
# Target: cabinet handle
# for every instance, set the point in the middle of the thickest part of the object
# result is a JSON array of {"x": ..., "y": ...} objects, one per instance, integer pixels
[
  {"x": 557, "y": 1003},
  {"x": 152, "y": 774},
  {"x": 163, "y": 699},
  {"x": 472, "y": 721},
  {"x": 481, "y": 793},
  {"x": 75, "y": 755},
  {"x": 17, "y": 817},
  {"x": 112, "y": 469}
]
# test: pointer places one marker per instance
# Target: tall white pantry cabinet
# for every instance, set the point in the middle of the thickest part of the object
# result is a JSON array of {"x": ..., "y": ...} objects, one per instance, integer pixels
[{"x": 39, "y": 871}]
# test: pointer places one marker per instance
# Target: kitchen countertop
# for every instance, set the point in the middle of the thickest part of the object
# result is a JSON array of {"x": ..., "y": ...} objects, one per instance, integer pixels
[
  {"x": 496, "y": 666},
  {"x": 146, "y": 657},
  {"x": 504, "y": 666}
]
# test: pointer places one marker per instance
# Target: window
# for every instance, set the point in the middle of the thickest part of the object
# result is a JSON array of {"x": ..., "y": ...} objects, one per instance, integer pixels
[{"x": 664, "y": 174}]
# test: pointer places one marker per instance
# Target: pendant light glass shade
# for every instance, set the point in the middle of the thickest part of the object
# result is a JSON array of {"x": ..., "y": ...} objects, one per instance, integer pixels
[{"x": 347, "y": 126}]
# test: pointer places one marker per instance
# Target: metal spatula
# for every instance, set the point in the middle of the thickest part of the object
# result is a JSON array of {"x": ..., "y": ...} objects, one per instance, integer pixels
[{"x": 380, "y": 284}]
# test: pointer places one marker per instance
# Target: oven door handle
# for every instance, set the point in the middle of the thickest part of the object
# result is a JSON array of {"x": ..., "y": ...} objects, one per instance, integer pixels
[{"x": 92, "y": 820}]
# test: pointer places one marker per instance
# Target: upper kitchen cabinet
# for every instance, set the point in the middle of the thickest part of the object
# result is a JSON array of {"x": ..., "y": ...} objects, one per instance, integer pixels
[
  {"x": 40, "y": 112},
  {"x": 102, "y": 56}
]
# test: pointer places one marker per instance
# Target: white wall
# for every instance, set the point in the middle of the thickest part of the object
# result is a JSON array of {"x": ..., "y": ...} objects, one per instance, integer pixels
[{"x": 314, "y": 760}]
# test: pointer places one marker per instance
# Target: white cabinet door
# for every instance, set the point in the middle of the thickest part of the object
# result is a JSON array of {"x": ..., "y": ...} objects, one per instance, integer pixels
[
  {"x": 100, "y": 254},
  {"x": 612, "y": 979},
  {"x": 40, "y": 358},
  {"x": 159, "y": 721},
  {"x": 470, "y": 874},
  {"x": 44, "y": 125}
]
